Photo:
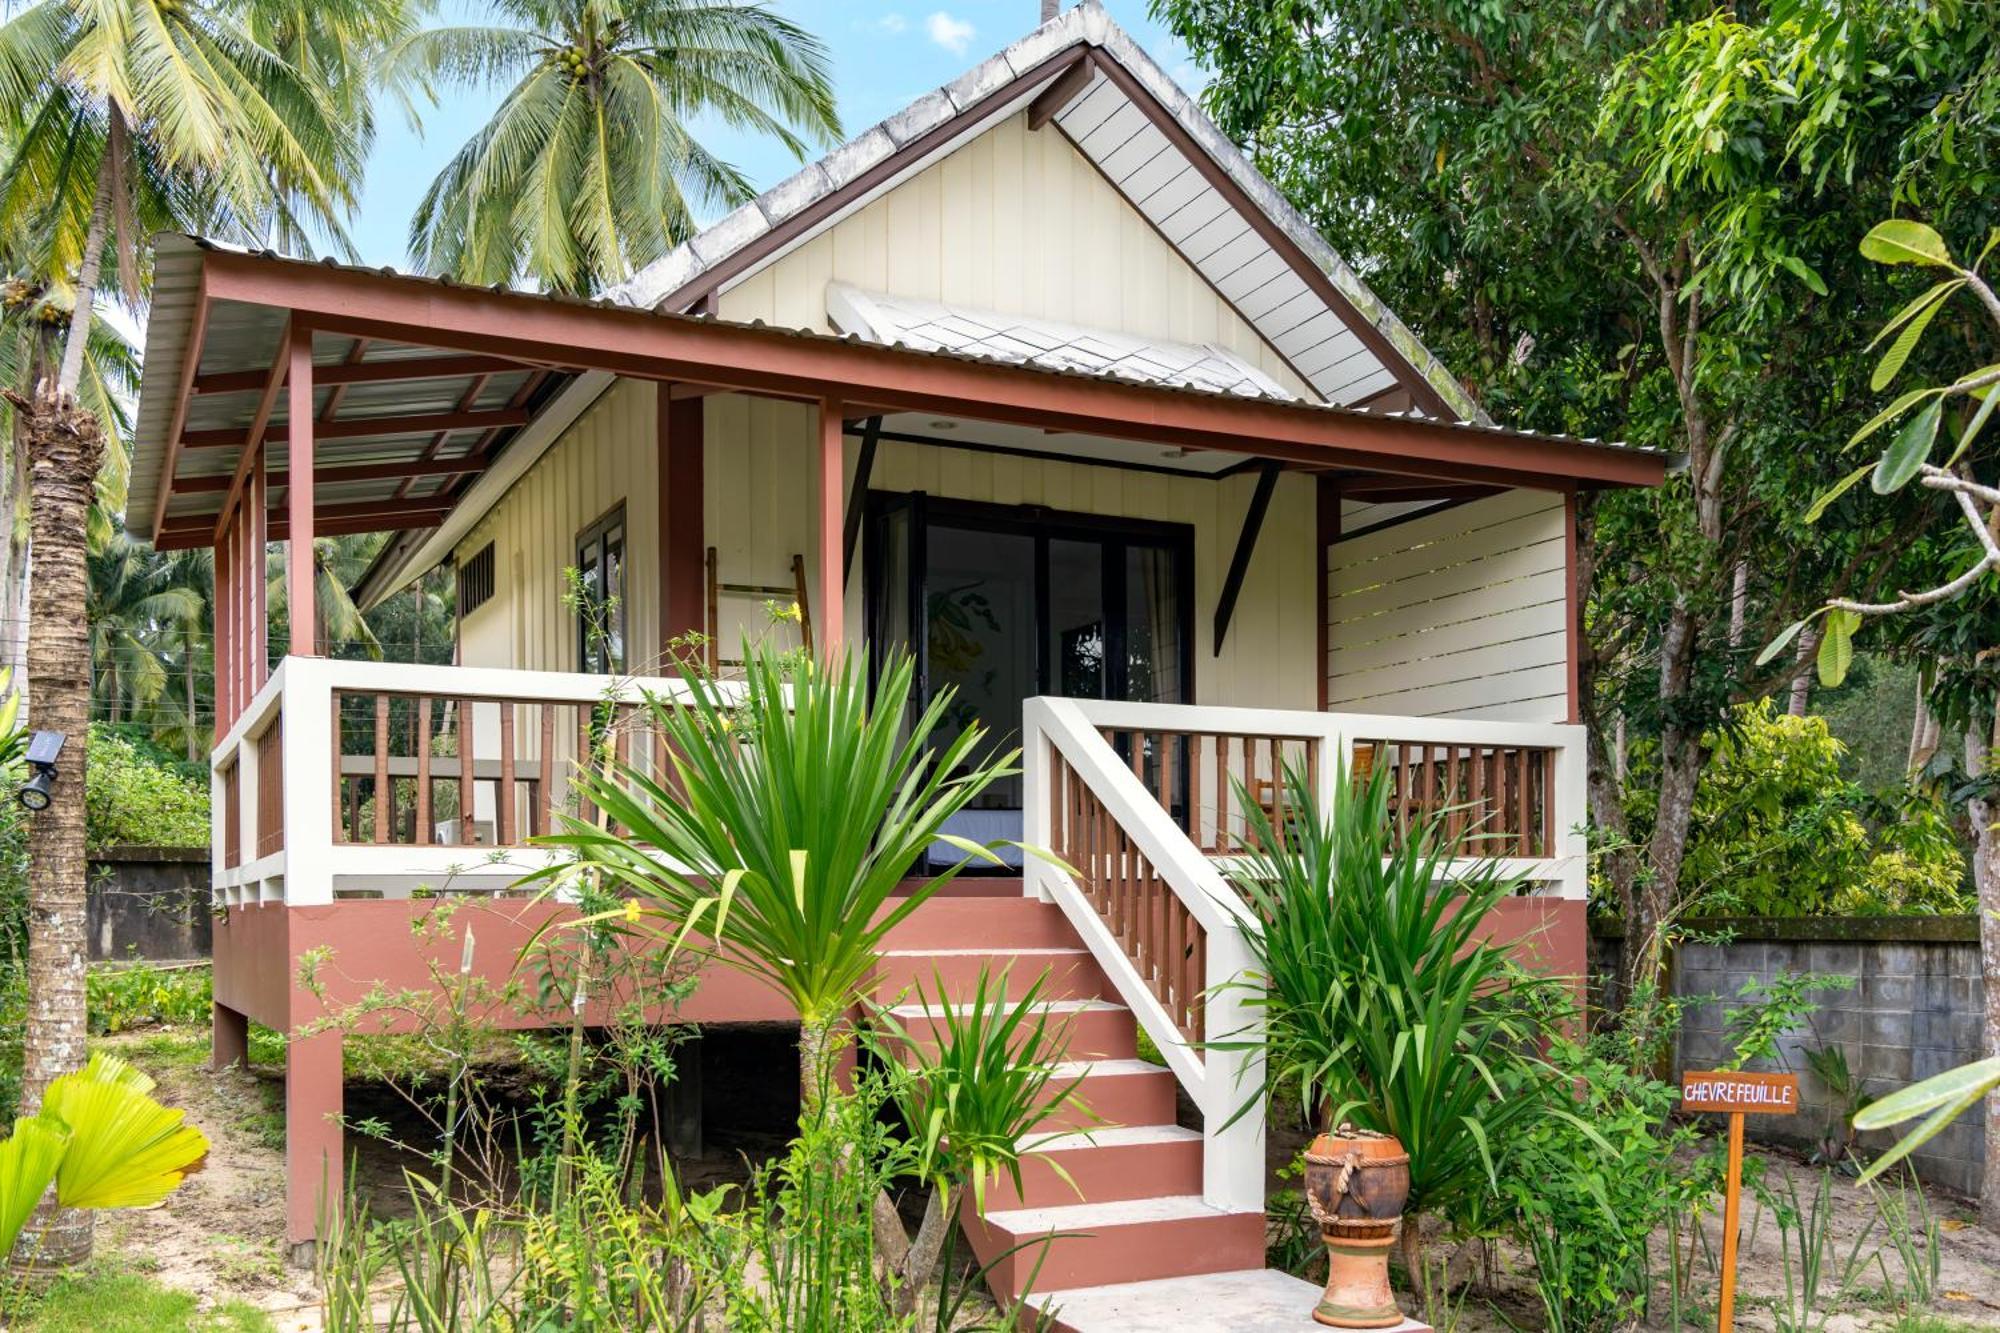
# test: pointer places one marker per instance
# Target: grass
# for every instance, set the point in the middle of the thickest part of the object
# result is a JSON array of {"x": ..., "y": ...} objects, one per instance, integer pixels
[{"x": 105, "y": 1300}]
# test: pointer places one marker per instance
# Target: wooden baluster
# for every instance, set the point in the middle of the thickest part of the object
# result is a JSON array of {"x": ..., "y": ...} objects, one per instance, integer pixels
[
  {"x": 423, "y": 802},
  {"x": 381, "y": 769},
  {"x": 584, "y": 759},
  {"x": 1546, "y": 824},
  {"x": 1454, "y": 800},
  {"x": 467, "y": 834},
  {"x": 1217, "y": 752},
  {"x": 1475, "y": 797},
  {"x": 1522, "y": 823},
  {"x": 340, "y": 825},
  {"x": 545, "y": 782},
  {"x": 507, "y": 831},
  {"x": 1197, "y": 981},
  {"x": 1168, "y": 744}
]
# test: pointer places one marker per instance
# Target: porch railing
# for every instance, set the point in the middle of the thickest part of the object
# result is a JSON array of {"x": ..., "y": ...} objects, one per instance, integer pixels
[
  {"x": 1142, "y": 805},
  {"x": 367, "y": 778}
]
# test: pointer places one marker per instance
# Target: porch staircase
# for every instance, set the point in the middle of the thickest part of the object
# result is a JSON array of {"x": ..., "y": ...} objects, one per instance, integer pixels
[{"x": 1132, "y": 1243}]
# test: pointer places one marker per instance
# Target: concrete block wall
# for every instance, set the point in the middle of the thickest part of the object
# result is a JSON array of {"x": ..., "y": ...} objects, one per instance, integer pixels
[{"x": 1914, "y": 1010}]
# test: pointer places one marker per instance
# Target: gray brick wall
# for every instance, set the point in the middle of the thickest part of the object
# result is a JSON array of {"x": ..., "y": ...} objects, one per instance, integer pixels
[{"x": 1914, "y": 1011}]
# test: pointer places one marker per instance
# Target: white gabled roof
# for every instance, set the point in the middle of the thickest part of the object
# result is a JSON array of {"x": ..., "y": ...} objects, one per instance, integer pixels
[
  {"x": 1178, "y": 170},
  {"x": 934, "y": 326}
]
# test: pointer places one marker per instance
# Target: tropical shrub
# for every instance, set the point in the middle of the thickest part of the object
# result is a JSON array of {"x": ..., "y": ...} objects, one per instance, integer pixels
[
  {"x": 1380, "y": 1000},
  {"x": 125, "y": 997},
  {"x": 1780, "y": 830},
  {"x": 101, "y": 1140},
  {"x": 135, "y": 796}
]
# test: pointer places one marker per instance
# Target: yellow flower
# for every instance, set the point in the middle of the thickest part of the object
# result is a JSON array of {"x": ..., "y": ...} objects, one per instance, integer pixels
[{"x": 632, "y": 909}]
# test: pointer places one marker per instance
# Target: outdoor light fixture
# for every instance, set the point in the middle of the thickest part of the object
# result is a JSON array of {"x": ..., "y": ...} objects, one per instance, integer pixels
[{"x": 43, "y": 747}]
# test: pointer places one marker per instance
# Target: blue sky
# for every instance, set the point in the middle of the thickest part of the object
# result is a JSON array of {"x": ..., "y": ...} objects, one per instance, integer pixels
[{"x": 885, "y": 54}]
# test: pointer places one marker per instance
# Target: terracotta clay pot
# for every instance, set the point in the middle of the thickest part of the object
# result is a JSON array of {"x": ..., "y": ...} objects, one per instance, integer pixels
[{"x": 1357, "y": 1182}]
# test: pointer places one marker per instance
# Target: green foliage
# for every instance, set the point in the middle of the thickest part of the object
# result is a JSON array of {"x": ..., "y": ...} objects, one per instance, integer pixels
[
  {"x": 1780, "y": 830},
  {"x": 104, "y": 1299},
  {"x": 793, "y": 817},
  {"x": 131, "y": 798},
  {"x": 1378, "y": 996},
  {"x": 123, "y": 997},
  {"x": 589, "y": 168},
  {"x": 1589, "y": 1191},
  {"x": 977, "y": 1099},
  {"x": 103, "y": 1142}
]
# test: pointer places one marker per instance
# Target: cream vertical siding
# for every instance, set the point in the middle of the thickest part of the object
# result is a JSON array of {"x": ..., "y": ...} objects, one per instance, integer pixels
[
  {"x": 1016, "y": 221},
  {"x": 607, "y": 458},
  {"x": 1458, "y": 613},
  {"x": 760, "y": 510}
]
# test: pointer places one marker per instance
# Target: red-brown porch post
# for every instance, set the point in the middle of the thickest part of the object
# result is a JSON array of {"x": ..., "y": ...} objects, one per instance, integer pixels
[
  {"x": 313, "y": 1152},
  {"x": 829, "y": 631},
  {"x": 299, "y": 493},
  {"x": 225, "y": 637},
  {"x": 683, "y": 594},
  {"x": 256, "y": 539}
]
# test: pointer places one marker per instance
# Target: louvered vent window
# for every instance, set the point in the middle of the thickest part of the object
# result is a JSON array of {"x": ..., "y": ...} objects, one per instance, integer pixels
[{"x": 475, "y": 581}]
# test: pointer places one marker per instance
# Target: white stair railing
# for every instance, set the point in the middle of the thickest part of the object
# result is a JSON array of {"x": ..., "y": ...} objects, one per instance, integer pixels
[
  {"x": 1163, "y": 924},
  {"x": 1149, "y": 834}
]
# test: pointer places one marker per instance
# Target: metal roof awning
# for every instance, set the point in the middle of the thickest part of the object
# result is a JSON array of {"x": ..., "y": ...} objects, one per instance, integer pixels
[{"x": 430, "y": 398}]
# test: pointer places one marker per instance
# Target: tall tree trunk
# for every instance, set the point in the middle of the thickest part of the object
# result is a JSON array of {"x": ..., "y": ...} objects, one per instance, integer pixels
[
  {"x": 187, "y": 687},
  {"x": 65, "y": 447},
  {"x": 1984, "y": 811},
  {"x": 91, "y": 268}
]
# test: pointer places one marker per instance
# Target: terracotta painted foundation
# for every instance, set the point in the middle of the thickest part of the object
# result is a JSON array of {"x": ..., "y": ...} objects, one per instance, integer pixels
[{"x": 1137, "y": 1175}]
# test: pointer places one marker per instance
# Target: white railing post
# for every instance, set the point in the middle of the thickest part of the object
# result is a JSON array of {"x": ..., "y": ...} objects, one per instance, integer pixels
[
  {"x": 1037, "y": 830},
  {"x": 1332, "y": 753},
  {"x": 1569, "y": 796},
  {"x": 220, "y": 812},
  {"x": 307, "y": 714},
  {"x": 1232, "y": 1153}
]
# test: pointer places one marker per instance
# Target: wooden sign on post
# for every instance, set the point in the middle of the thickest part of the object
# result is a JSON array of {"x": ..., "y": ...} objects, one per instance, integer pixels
[{"x": 1736, "y": 1094}]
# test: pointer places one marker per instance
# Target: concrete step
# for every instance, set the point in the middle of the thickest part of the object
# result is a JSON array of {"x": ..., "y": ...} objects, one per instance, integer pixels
[
  {"x": 998, "y": 924},
  {"x": 1113, "y": 1092},
  {"x": 1102, "y": 1165},
  {"x": 1250, "y": 1300},
  {"x": 1079, "y": 1029},
  {"x": 1096, "y": 1244},
  {"x": 1072, "y": 974}
]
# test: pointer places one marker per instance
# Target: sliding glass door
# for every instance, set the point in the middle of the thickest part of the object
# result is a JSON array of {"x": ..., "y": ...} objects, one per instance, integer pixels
[{"x": 1002, "y": 603}]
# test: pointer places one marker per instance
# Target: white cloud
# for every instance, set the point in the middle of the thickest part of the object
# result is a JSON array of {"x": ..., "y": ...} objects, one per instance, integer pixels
[
  {"x": 954, "y": 34},
  {"x": 892, "y": 24}
]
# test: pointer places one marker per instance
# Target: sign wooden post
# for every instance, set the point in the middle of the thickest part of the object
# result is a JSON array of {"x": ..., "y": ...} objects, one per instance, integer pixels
[{"x": 1736, "y": 1094}]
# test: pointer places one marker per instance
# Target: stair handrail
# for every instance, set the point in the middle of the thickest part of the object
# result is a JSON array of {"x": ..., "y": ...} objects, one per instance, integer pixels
[{"x": 1217, "y": 1079}]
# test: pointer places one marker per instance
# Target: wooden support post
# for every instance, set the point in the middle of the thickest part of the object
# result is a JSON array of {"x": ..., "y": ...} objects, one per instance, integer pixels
[
  {"x": 1732, "y": 1222},
  {"x": 682, "y": 427},
  {"x": 225, "y": 589},
  {"x": 829, "y": 634},
  {"x": 299, "y": 562},
  {"x": 257, "y": 538}
]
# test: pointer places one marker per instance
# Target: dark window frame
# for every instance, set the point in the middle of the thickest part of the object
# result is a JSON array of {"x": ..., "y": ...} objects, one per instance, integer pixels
[
  {"x": 1044, "y": 524},
  {"x": 477, "y": 578},
  {"x": 602, "y": 658}
]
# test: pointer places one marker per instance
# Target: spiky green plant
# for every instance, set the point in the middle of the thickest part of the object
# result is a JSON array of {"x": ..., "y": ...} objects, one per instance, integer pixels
[
  {"x": 793, "y": 818},
  {"x": 1380, "y": 998}
]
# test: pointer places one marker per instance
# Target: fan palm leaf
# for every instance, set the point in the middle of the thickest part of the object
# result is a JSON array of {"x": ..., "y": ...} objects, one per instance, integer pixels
[{"x": 125, "y": 1149}]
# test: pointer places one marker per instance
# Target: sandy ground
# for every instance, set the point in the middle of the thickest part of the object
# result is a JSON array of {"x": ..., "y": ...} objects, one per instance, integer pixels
[{"x": 221, "y": 1235}]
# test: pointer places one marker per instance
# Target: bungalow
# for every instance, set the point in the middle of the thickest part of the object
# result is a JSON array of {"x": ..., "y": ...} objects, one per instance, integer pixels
[{"x": 1038, "y": 379}]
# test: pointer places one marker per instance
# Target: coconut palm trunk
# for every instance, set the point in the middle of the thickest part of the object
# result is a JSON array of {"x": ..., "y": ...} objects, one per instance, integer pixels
[{"x": 65, "y": 444}]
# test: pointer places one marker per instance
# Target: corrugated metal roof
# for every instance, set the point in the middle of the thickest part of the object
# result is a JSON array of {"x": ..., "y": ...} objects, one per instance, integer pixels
[
  {"x": 1047, "y": 344},
  {"x": 1157, "y": 177}
]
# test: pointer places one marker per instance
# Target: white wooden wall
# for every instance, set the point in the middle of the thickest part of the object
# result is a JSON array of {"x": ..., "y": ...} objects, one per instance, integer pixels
[
  {"x": 1458, "y": 613},
  {"x": 1016, "y": 221},
  {"x": 610, "y": 456}
]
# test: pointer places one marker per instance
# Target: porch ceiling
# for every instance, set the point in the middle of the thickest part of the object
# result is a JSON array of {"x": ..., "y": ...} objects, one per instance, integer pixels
[{"x": 421, "y": 386}]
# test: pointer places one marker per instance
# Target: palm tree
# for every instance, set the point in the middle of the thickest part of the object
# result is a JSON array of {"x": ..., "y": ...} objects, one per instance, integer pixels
[
  {"x": 143, "y": 604},
  {"x": 589, "y": 169},
  {"x": 121, "y": 113}
]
